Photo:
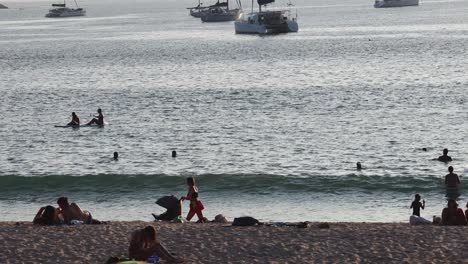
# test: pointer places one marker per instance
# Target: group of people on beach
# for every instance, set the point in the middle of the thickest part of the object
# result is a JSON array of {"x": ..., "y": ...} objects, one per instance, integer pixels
[
  {"x": 451, "y": 215},
  {"x": 97, "y": 120},
  {"x": 67, "y": 213}
]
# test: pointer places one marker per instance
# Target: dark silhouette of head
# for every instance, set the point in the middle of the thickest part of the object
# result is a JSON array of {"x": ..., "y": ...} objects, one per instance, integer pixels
[
  {"x": 149, "y": 233},
  {"x": 116, "y": 155},
  {"x": 417, "y": 197},
  {"x": 452, "y": 203},
  {"x": 48, "y": 215},
  {"x": 358, "y": 165},
  {"x": 190, "y": 181},
  {"x": 99, "y": 110},
  {"x": 194, "y": 195},
  {"x": 424, "y": 149},
  {"x": 73, "y": 114},
  {"x": 174, "y": 153},
  {"x": 450, "y": 169},
  {"x": 445, "y": 152},
  {"x": 63, "y": 202}
]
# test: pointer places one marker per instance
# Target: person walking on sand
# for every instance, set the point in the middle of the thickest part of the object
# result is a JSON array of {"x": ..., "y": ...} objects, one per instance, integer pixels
[
  {"x": 417, "y": 205},
  {"x": 144, "y": 244},
  {"x": 196, "y": 206},
  {"x": 98, "y": 120},
  {"x": 445, "y": 157}
]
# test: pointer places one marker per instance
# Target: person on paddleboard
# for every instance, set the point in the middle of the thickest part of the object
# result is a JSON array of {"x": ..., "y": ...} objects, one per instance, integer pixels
[
  {"x": 75, "y": 122},
  {"x": 98, "y": 120}
]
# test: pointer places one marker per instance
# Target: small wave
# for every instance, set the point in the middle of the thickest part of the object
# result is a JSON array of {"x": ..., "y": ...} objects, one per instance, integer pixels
[{"x": 250, "y": 183}]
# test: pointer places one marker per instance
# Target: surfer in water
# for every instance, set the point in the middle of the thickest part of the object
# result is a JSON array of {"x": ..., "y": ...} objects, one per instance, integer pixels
[
  {"x": 98, "y": 120},
  {"x": 75, "y": 122}
]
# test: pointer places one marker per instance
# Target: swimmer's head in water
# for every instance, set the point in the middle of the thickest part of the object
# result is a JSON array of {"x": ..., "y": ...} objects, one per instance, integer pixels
[
  {"x": 190, "y": 181},
  {"x": 174, "y": 154},
  {"x": 445, "y": 151},
  {"x": 116, "y": 155},
  {"x": 358, "y": 165},
  {"x": 450, "y": 169},
  {"x": 417, "y": 197}
]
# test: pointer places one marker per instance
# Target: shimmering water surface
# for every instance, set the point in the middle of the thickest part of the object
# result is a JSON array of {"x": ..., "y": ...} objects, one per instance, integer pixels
[{"x": 271, "y": 126}]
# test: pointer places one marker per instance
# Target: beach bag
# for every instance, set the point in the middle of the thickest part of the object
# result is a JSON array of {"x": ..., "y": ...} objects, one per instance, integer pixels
[{"x": 245, "y": 221}]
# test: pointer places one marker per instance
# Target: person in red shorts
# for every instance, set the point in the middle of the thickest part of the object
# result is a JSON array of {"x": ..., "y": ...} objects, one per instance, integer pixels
[{"x": 196, "y": 206}]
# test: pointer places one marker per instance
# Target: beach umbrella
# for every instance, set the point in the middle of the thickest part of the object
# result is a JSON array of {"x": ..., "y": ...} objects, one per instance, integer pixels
[{"x": 168, "y": 202}]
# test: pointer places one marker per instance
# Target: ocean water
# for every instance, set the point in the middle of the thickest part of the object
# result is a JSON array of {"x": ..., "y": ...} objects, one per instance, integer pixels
[{"x": 270, "y": 126}]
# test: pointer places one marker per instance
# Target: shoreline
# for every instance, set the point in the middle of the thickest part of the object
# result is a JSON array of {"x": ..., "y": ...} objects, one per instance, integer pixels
[{"x": 222, "y": 243}]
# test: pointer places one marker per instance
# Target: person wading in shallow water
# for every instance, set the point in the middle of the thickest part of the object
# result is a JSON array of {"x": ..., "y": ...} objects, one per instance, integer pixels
[
  {"x": 144, "y": 244},
  {"x": 444, "y": 157}
]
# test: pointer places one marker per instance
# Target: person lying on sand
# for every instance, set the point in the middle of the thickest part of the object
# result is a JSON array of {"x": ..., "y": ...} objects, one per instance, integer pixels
[
  {"x": 144, "y": 244},
  {"x": 73, "y": 212},
  {"x": 452, "y": 215},
  {"x": 48, "y": 215}
]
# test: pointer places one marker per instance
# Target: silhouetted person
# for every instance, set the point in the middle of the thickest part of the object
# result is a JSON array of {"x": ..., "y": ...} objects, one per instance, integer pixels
[
  {"x": 98, "y": 120},
  {"x": 424, "y": 149},
  {"x": 144, "y": 244},
  {"x": 75, "y": 122},
  {"x": 116, "y": 155},
  {"x": 451, "y": 180},
  {"x": 452, "y": 215},
  {"x": 174, "y": 154},
  {"x": 417, "y": 205},
  {"x": 445, "y": 157},
  {"x": 358, "y": 166}
]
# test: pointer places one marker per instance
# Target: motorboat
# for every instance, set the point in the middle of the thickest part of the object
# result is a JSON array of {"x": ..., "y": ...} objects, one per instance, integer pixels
[
  {"x": 395, "y": 3},
  {"x": 266, "y": 22},
  {"x": 61, "y": 10}
]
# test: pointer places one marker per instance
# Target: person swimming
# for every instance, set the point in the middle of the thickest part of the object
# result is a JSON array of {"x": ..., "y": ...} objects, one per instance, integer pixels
[
  {"x": 75, "y": 122},
  {"x": 99, "y": 120},
  {"x": 444, "y": 157},
  {"x": 452, "y": 180},
  {"x": 116, "y": 155}
]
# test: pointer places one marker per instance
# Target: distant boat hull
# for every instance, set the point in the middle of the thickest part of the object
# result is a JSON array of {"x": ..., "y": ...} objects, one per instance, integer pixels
[
  {"x": 395, "y": 3},
  {"x": 66, "y": 12},
  {"x": 229, "y": 15},
  {"x": 252, "y": 24}
]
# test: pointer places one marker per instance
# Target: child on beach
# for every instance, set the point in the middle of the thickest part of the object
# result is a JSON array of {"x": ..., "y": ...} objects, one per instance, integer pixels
[
  {"x": 196, "y": 206},
  {"x": 417, "y": 205}
]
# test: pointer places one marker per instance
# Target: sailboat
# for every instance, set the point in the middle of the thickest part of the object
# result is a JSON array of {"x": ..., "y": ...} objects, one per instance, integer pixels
[
  {"x": 61, "y": 10},
  {"x": 266, "y": 22},
  {"x": 220, "y": 12}
]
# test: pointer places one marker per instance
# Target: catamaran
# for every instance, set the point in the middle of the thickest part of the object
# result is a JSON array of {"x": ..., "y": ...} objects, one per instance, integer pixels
[
  {"x": 61, "y": 10},
  {"x": 266, "y": 22}
]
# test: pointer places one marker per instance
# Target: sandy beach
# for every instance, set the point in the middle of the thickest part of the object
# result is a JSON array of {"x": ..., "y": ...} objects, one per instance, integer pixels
[{"x": 218, "y": 243}]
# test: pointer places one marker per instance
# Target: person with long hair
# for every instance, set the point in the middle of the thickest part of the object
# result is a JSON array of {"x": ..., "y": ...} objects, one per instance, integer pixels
[
  {"x": 47, "y": 215},
  {"x": 144, "y": 244}
]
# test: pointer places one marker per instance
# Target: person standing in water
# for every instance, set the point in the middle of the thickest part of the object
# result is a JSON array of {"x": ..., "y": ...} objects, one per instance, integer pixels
[
  {"x": 452, "y": 181},
  {"x": 98, "y": 120},
  {"x": 75, "y": 122},
  {"x": 417, "y": 205},
  {"x": 196, "y": 205},
  {"x": 445, "y": 157}
]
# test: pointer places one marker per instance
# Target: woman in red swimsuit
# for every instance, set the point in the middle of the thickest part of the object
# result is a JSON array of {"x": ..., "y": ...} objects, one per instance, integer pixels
[{"x": 196, "y": 206}]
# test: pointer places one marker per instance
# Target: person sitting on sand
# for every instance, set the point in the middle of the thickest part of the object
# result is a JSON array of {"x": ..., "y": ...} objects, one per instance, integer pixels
[
  {"x": 452, "y": 215},
  {"x": 445, "y": 157},
  {"x": 417, "y": 205},
  {"x": 144, "y": 244},
  {"x": 466, "y": 212},
  {"x": 196, "y": 205},
  {"x": 75, "y": 122},
  {"x": 47, "y": 215},
  {"x": 73, "y": 212},
  {"x": 452, "y": 181},
  {"x": 99, "y": 120}
]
